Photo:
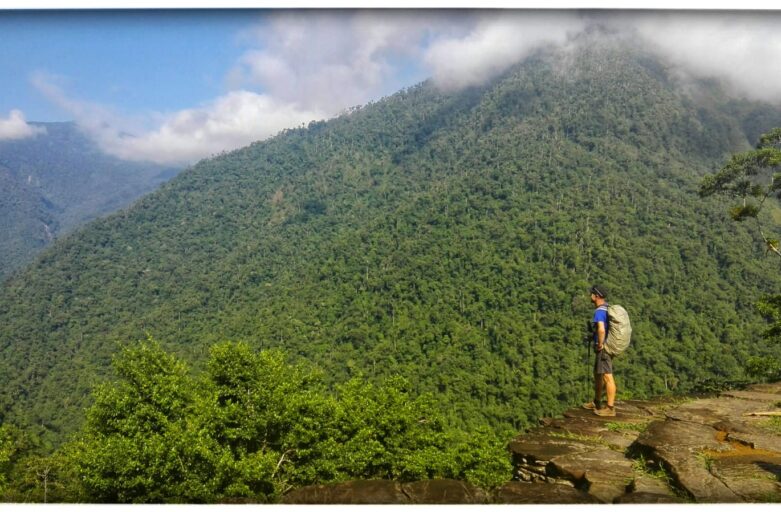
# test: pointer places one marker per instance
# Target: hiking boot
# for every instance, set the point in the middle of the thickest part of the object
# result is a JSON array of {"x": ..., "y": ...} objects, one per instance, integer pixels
[
  {"x": 590, "y": 406},
  {"x": 606, "y": 411}
]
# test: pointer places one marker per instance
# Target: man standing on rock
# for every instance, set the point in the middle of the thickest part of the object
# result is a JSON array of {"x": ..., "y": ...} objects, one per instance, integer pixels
[{"x": 603, "y": 364}]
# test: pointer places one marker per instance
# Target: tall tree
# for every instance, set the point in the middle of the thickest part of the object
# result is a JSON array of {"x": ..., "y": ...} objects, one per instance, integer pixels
[{"x": 753, "y": 178}]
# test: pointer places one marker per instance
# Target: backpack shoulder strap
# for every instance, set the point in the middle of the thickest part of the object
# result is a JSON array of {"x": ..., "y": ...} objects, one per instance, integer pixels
[{"x": 605, "y": 307}]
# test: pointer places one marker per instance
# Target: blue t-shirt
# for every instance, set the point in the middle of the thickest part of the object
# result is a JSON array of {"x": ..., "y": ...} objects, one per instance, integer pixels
[{"x": 600, "y": 315}]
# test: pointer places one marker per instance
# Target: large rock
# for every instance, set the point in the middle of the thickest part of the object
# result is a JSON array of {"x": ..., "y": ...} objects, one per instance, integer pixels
[
  {"x": 656, "y": 406},
  {"x": 678, "y": 444},
  {"x": 753, "y": 476},
  {"x": 710, "y": 411},
  {"x": 678, "y": 437},
  {"x": 388, "y": 492},
  {"x": 520, "y": 493},
  {"x": 758, "y": 440},
  {"x": 579, "y": 426},
  {"x": 757, "y": 396},
  {"x": 541, "y": 448},
  {"x": 700, "y": 483},
  {"x": 358, "y": 492},
  {"x": 596, "y": 430},
  {"x": 444, "y": 491},
  {"x": 624, "y": 416},
  {"x": 605, "y": 473},
  {"x": 647, "y": 497}
]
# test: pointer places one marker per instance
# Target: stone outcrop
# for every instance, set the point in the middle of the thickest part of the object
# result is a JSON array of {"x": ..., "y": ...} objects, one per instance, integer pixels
[
  {"x": 653, "y": 451},
  {"x": 519, "y": 493},
  {"x": 388, "y": 492},
  {"x": 699, "y": 450}
]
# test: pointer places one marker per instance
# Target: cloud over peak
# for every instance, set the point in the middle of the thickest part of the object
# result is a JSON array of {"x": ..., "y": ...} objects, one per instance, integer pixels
[
  {"x": 742, "y": 48},
  {"x": 300, "y": 66},
  {"x": 229, "y": 122},
  {"x": 496, "y": 43},
  {"x": 15, "y": 127},
  {"x": 329, "y": 60}
]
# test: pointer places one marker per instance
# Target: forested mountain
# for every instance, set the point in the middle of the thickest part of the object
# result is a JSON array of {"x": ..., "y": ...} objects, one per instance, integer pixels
[
  {"x": 447, "y": 237},
  {"x": 57, "y": 180}
]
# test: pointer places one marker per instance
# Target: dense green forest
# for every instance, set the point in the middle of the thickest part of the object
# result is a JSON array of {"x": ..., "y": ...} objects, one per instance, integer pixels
[
  {"x": 448, "y": 239},
  {"x": 249, "y": 428},
  {"x": 58, "y": 180}
]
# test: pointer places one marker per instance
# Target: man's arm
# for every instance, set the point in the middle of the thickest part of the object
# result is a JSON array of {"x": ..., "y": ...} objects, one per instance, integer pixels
[{"x": 600, "y": 335}]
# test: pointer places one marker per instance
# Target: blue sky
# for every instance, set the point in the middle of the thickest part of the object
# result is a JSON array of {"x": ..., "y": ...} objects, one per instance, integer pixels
[
  {"x": 176, "y": 86},
  {"x": 136, "y": 60}
]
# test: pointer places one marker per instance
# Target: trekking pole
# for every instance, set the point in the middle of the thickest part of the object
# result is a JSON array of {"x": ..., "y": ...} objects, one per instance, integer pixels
[
  {"x": 588, "y": 340},
  {"x": 588, "y": 365}
]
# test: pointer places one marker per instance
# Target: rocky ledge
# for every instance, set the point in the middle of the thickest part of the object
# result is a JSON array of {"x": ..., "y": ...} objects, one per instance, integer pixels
[
  {"x": 719, "y": 449},
  {"x": 706, "y": 450}
]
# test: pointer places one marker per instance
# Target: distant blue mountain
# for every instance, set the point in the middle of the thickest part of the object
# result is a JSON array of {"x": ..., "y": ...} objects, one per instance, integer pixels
[{"x": 58, "y": 180}]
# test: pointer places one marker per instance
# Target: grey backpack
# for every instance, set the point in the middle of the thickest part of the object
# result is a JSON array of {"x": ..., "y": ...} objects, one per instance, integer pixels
[{"x": 619, "y": 330}]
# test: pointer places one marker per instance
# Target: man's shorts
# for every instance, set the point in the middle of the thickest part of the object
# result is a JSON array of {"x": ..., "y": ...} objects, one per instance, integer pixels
[{"x": 603, "y": 363}]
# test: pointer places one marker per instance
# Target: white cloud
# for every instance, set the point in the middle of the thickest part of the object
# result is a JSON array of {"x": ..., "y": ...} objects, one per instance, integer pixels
[
  {"x": 742, "y": 48},
  {"x": 229, "y": 122},
  {"x": 497, "y": 42},
  {"x": 330, "y": 60},
  {"x": 302, "y": 66},
  {"x": 305, "y": 65},
  {"x": 15, "y": 127}
]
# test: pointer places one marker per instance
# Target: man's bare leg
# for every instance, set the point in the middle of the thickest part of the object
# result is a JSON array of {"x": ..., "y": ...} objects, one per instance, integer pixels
[{"x": 610, "y": 388}]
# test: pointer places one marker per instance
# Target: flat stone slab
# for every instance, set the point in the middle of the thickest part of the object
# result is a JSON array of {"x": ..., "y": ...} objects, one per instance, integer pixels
[
  {"x": 444, "y": 491},
  {"x": 656, "y": 406},
  {"x": 620, "y": 441},
  {"x": 519, "y": 493},
  {"x": 579, "y": 425},
  {"x": 753, "y": 477},
  {"x": 647, "y": 497},
  {"x": 711, "y": 411},
  {"x": 633, "y": 408},
  {"x": 757, "y": 396},
  {"x": 759, "y": 441},
  {"x": 542, "y": 448},
  {"x": 698, "y": 481},
  {"x": 606, "y": 472},
  {"x": 388, "y": 492},
  {"x": 737, "y": 425},
  {"x": 678, "y": 444},
  {"x": 621, "y": 415},
  {"x": 357, "y": 492},
  {"x": 678, "y": 437}
]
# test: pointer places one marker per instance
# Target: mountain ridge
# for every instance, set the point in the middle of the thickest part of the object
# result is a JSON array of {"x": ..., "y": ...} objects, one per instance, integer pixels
[{"x": 58, "y": 180}]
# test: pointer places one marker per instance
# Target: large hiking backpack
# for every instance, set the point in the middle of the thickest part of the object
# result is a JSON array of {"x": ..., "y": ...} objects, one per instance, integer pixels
[{"x": 619, "y": 330}]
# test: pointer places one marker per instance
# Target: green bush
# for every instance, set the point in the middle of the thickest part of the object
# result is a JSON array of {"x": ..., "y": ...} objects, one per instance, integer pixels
[{"x": 253, "y": 426}]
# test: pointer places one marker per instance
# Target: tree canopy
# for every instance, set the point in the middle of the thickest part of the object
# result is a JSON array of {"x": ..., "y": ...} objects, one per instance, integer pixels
[
  {"x": 754, "y": 177},
  {"x": 249, "y": 427}
]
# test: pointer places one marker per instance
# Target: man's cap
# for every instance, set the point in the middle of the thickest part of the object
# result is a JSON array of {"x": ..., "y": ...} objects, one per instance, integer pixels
[{"x": 599, "y": 291}]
